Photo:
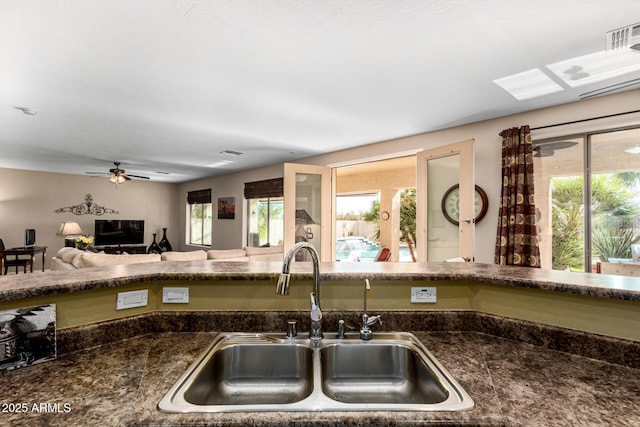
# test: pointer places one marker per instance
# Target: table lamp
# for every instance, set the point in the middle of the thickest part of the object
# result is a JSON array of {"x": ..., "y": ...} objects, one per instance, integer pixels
[{"x": 70, "y": 230}]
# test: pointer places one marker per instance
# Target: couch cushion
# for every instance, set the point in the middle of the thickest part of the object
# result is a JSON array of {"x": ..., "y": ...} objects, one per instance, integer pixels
[
  {"x": 263, "y": 250},
  {"x": 67, "y": 254},
  {"x": 90, "y": 259},
  {"x": 225, "y": 253},
  {"x": 184, "y": 256}
]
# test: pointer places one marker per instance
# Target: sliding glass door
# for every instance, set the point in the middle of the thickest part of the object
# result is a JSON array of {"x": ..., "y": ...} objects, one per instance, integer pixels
[{"x": 588, "y": 198}]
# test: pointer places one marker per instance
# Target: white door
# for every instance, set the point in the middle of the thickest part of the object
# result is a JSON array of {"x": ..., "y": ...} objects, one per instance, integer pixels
[
  {"x": 308, "y": 208},
  {"x": 445, "y": 202}
]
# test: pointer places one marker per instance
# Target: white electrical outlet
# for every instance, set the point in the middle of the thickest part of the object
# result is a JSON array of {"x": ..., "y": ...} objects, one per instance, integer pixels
[
  {"x": 132, "y": 299},
  {"x": 175, "y": 295},
  {"x": 423, "y": 295}
]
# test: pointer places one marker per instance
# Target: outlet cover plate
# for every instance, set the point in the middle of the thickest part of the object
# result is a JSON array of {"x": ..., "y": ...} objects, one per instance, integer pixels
[
  {"x": 132, "y": 299},
  {"x": 424, "y": 295},
  {"x": 175, "y": 295}
]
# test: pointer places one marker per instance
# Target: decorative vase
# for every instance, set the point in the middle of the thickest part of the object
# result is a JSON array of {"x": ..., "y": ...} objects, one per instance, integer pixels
[
  {"x": 154, "y": 248},
  {"x": 164, "y": 244}
]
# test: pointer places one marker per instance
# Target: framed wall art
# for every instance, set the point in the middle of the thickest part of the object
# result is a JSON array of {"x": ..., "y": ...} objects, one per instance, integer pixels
[{"x": 226, "y": 208}]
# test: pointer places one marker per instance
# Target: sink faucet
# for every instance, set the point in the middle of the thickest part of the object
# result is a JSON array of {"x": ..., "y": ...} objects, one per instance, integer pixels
[
  {"x": 365, "y": 332},
  {"x": 315, "y": 333}
]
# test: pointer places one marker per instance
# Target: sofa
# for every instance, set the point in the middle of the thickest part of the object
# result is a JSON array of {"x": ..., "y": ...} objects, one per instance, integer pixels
[{"x": 72, "y": 258}]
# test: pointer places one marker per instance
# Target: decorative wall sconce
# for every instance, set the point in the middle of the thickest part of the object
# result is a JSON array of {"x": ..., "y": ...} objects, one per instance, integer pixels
[{"x": 87, "y": 208}]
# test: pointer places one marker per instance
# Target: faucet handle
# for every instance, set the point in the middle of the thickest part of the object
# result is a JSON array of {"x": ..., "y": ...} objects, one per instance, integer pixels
[{"x": 373, "y": 319}]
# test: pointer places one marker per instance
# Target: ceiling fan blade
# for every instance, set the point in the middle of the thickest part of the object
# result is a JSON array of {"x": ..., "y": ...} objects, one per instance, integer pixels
[
  {"x": 137, "y": 176},
  {"x": 97, "y": 173}
]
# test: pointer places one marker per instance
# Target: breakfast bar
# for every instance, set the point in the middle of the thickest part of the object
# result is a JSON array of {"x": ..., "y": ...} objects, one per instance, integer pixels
[{"x": 113, "y": 367}]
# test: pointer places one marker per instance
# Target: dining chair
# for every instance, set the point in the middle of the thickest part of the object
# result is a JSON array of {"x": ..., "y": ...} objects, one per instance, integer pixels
[{"x": 13, "y": 261}]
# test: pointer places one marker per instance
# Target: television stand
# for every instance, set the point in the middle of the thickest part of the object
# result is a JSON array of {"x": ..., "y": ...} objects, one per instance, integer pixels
[{"x": 119, "y": 249}]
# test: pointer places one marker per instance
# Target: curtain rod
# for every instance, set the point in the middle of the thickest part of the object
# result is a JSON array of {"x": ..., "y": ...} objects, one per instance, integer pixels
[{"x": 585, "y": 120}]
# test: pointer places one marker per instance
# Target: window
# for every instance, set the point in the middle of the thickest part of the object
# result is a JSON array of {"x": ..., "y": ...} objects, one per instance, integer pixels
[
  {"x": 200, "y": 211},
  {"x": 265, "y": 216},
  {"x": 588, "y": 198},
  {"x": 266, "y": 221}
]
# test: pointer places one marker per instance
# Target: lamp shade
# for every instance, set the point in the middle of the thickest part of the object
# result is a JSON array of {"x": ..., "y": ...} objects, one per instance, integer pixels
[{"x": 69, "y": 228}]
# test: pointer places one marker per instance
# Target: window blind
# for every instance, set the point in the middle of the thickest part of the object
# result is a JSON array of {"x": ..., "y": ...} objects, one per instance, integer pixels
[
  {"x": 266, "y": 188},
  {"x": 199, "y": 196}
]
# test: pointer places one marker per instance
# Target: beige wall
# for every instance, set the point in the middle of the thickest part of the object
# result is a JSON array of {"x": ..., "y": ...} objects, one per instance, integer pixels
[
  {"x": 227, "y": 233},
  {"x": 29, "y": 200}
]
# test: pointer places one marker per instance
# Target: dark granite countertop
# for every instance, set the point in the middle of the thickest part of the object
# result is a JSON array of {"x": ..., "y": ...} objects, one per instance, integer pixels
[
  {"x": 512, "y": 383},
  {"x": 14, "y": 287}
]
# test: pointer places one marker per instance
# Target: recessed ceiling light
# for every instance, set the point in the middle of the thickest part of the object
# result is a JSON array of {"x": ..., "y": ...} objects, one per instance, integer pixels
[
  {"x": 529, "y": 84},
  {"x": 28, "y": 111},
  {"x": 633, "y": 150},
  {"x": 219, "y": 164}
]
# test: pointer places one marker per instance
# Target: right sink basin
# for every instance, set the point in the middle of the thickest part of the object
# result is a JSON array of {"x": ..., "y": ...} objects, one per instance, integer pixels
[{"x": 381, "y": 373}]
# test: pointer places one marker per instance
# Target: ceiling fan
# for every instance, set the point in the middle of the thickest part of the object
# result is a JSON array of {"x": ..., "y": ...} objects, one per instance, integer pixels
[
  {"x": 117, "y": 175},
  {"x": 548, "y": 149}
]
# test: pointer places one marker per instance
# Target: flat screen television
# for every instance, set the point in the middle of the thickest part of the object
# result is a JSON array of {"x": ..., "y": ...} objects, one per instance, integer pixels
[{"x": 119, "y": 232}]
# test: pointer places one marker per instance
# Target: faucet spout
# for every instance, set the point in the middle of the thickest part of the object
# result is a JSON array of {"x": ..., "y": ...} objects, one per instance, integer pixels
[
  {"x": 282, "y": 288},
  {"x": 365, "y": 331}
]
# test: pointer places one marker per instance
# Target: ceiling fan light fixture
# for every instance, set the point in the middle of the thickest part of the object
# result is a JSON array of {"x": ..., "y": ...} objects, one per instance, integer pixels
[{"x": 117, "y": 179}]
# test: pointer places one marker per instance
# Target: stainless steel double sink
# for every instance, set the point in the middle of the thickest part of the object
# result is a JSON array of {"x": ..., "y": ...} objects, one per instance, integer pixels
[{"x": 247, "y": 372}]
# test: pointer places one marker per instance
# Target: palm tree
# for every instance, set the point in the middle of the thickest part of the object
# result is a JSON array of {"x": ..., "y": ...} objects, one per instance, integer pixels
[
  {"x": 611, "y": 198},
  {"x": 408, "y": 220},
  {"x": 373, "y": 216}
]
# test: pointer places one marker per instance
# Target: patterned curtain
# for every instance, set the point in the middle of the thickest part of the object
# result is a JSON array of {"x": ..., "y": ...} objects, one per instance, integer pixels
[{"x": 517, "y": 241}]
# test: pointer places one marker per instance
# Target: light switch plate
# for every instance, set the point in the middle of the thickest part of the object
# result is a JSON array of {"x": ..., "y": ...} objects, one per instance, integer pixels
[
  {"x": 175, "y": 295},
  {"x": 132, "y": 299},
  {"x": 420, "y": 295}
]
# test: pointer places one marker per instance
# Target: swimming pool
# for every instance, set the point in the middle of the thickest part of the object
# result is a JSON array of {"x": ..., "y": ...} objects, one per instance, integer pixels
[{"x": 354, "y": 249}]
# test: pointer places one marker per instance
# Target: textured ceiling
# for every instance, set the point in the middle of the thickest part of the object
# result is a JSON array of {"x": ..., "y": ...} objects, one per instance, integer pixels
[{"x": 167, "y": 85}]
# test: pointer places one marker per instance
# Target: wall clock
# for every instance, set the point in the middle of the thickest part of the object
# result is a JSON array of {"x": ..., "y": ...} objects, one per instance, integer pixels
[
  {"x": 384, "y": 215},
  {"x": 451, "y": 204}
]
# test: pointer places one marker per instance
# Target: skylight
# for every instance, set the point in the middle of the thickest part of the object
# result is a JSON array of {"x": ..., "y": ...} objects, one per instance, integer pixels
[
  {"x": 596, "y": 67},
  {"x": 528, "y": 84}
]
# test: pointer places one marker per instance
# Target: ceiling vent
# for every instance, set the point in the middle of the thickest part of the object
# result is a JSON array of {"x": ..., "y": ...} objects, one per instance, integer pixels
[{"x": 626, "y": 37}]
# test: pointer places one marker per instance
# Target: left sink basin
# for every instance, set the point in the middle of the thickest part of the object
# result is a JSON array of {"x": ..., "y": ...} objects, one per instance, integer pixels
[
  {"x": 242, "y": 374},
  {"x": 245, "y": 370}
]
